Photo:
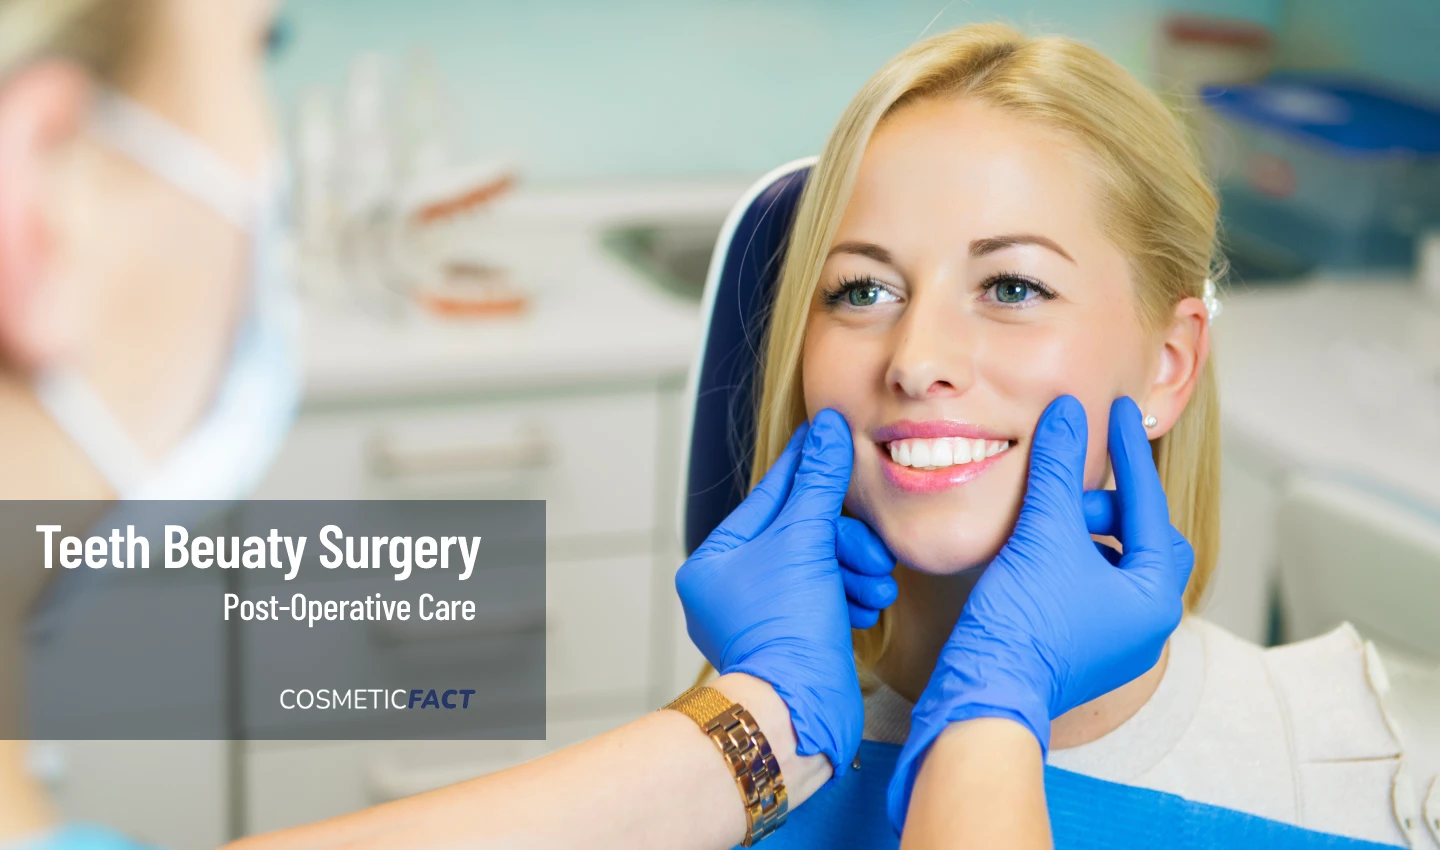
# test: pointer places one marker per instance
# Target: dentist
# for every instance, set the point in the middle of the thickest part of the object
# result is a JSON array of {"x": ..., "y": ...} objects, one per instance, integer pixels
[
  {"x": 147, "y": 350},
  {"x": 147, "y": 343}
]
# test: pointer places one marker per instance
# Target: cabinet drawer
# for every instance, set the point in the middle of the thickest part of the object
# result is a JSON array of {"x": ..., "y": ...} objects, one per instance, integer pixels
[
  {"x": 598, "y": 626},
  {"x": 598, "y": 645},
  {"x": 598, "y": 651},
  {"x": 591, "y": 457}
]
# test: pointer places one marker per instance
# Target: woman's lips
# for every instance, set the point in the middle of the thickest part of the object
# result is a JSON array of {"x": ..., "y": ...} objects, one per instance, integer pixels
[
  {"x": 935, "y": 428},
  {"x": 953, "y": 439}
]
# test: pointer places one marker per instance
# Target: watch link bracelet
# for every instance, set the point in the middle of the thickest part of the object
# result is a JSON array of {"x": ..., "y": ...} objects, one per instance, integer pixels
[{"x": 746, "y": 751}]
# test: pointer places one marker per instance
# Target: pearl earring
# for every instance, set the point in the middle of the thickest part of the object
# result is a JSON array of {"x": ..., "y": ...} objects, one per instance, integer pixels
[{"x": 1151, "y": 421}]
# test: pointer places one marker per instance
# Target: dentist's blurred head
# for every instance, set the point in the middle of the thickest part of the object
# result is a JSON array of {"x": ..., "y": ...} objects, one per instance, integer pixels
[{"x": 136, "y": 148}]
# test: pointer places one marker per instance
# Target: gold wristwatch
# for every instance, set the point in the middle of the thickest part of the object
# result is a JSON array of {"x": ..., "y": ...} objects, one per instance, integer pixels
[{"x": 746, "y": 751}]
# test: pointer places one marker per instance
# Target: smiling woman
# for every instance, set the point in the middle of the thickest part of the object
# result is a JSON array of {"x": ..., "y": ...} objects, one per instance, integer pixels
[
  {"x": 996, "y": 221},
  {"x": 974, "y": 278}
]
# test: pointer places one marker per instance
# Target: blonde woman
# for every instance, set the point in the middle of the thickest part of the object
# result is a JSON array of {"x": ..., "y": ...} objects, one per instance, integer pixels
[{"x": 997, "y": 220}]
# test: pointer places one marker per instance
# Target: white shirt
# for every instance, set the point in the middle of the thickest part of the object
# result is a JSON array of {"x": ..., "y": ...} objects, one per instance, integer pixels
[{"x": 1297, "y": 734}]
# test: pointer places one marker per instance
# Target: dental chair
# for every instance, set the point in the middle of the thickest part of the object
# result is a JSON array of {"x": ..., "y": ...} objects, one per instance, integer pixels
[
  {"x": 723, "y": 391},
  {"x": 1352, "y": 552}
]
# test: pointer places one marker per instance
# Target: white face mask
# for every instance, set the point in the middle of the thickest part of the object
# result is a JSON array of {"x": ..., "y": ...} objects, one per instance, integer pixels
[{"x": 226, "y": 454}]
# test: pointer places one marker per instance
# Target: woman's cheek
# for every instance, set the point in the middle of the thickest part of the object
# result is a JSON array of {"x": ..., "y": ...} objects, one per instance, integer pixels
[
  {"x": 831, "y": 362},
  {"x": 819, "y": 375},
  {"x": 1052, "y": 365}
]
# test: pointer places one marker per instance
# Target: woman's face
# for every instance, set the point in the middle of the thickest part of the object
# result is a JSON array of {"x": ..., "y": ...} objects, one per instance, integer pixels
[{"x": 970, "y": 284}]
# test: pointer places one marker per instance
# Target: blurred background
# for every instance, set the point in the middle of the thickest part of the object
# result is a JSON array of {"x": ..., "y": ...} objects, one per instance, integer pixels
[{"x": 505, "y": 212}]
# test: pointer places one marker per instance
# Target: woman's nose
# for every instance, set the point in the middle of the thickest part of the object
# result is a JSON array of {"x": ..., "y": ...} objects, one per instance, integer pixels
[{"x": 932, "y": 355}]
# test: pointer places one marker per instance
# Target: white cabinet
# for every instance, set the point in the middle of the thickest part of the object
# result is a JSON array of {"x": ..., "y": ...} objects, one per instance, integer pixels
[
  {"x": 598, "y": 647},
  {"x": 591, "y": 457},
  {"x": 1241, "y": 590},
  {"x": 605, "y": 462}
]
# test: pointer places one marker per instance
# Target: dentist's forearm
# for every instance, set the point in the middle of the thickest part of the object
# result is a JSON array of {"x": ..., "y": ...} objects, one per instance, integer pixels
[
  {"x": 982, "y": 785},
  {"x": 657, "y": 782}
]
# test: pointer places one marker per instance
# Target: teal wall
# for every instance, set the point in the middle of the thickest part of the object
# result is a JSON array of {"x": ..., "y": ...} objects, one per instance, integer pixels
[
  {"x": 594, "y": 90},
  {"x": 1397, "y": 41}
]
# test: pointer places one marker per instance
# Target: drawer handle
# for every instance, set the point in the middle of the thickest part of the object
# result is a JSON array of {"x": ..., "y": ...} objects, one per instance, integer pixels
[{"x": 388, "y": 458}]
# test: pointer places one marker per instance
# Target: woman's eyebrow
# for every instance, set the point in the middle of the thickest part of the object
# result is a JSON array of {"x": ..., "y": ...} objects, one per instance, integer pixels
[
  {"x": 991, "y": 244},
  {"x": 864, "y": 249}
]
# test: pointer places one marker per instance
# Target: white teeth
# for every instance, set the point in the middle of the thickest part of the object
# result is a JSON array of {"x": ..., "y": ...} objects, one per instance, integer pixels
[{"x": 940, "y": 453}]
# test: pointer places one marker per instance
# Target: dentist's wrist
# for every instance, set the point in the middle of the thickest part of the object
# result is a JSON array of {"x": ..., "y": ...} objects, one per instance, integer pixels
[
  {"x": 1033, "y": 720},
  {"x": 957, "y": 695},
  {"x": 804, "y": 775},
  {"x": 982, "y": 674},
  {"x": 827, "y": 710}
]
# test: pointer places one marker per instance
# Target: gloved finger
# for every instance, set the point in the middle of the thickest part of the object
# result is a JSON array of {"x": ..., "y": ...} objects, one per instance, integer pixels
[
  {"x": 1109, "y": 553},
  {"x": 1184, "y": 555},
  {"x": 862, "y": 618},
  {"x": 823, "y": 475},
  {"x": 1144, "y": 515},
  {"x": 869, "y": 591},
  {"x": 866, "y": 565},
  {"x": 760, "y": 508},
  {"x": 1102, "y": 516},
  {"x": 1101, "y": 512},
  {"x": 861, "y": 549},
  {"x": 1057, "y": 462}
]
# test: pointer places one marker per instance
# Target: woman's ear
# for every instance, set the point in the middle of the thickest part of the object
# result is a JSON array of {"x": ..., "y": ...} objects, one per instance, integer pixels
[
  {"x": 1184, "y": 348},
  {"x": 42, "y": 112}
]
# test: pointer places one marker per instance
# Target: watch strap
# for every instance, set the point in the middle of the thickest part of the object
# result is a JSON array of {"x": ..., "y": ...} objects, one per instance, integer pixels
[{"x": 747, "y": 753}]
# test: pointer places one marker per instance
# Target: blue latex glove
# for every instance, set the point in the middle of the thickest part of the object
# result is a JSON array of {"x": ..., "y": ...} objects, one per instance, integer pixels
[
  {"x": 765, "y": 594},
  {"x": 866, "y": 567},
  {"x": 1055, "y": 621}
]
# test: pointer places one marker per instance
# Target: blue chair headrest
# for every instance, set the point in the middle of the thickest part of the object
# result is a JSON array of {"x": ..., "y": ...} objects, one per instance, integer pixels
[{"x": 739, "y": 290}]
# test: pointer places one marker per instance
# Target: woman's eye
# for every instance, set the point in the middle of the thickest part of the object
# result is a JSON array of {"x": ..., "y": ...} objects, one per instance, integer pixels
[
  {"x": 864, "y": 295},
  {"x": 1012, "y": 289},
  {"x": 860, "y": 293}
]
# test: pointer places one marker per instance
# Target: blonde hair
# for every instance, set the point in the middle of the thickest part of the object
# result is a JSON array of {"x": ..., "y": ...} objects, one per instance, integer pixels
[
  {"x": 97, "y": 34},
  {"x": 1154, "y": 200}
]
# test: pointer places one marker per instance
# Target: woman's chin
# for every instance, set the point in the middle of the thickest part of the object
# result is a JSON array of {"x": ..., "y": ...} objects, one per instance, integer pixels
[
  {"x": 942, "y": 553},
  {"x": 937, "y": 539}
]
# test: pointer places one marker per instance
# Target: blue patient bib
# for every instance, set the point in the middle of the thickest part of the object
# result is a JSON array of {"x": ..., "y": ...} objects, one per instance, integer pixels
[{"x": 849, "y": 814}]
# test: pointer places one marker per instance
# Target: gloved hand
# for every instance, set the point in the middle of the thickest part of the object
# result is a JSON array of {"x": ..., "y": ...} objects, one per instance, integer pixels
[
  {"x": 1055, "y": 621},
  {"x": 765, "y": 594},
  {"x": 866, "y": 566}
]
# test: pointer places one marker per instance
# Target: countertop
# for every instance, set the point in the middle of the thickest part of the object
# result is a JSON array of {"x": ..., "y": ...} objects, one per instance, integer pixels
[
  {"x": 591, "y": 318},
  {"x": 1335, "y": 374}
]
